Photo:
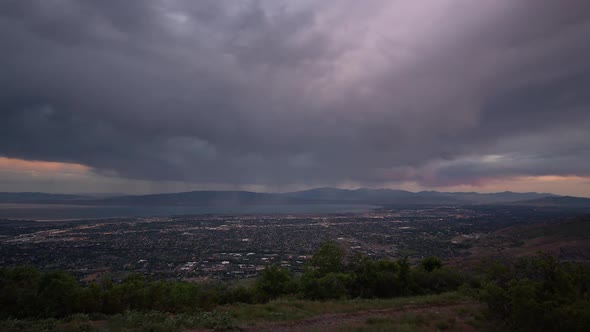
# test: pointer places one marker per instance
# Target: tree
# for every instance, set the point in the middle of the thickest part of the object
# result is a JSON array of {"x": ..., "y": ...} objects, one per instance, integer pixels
[
  {"x": 274, "y": 281},
  {"x": 333, "y": 285},
  {"x": 404, "y": 274},
  {"x": 18, "y": 292},
  {"x": 431, "y": 263},
  {"x": 329, "y": 258},
  {"x": 539, "y": 293},
  {"x": 59, "y": 293}
]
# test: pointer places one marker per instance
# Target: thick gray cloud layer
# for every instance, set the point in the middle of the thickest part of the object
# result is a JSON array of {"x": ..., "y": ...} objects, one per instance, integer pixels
[{"x": 440, "y": 92}]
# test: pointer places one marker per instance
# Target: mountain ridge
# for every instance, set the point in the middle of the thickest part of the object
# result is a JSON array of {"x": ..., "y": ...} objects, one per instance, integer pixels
[
  {"x": 324, "y": 195},
  {"x": 569, "y": 201}
]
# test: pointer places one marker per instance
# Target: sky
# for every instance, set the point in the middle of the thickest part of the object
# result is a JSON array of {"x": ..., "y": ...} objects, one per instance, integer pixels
[{"x": 145, "y": 96}]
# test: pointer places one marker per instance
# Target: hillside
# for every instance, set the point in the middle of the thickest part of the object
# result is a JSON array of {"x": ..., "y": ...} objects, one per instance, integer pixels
[
  {"x": 207, "y": 198},
  {"x": 447, "y": 311},
  {"x": 568, "y": 240}
]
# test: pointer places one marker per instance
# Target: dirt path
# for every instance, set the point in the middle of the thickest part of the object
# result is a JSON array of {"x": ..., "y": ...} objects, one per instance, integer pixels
[{"x": 336, "y": 322}]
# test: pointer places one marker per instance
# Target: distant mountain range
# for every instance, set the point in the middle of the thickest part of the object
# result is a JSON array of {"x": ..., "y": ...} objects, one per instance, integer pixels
[
  {"x": 402, "y": 197},
  {"x": 564, "y": 201},
  {"x": 385, "y": 197}
]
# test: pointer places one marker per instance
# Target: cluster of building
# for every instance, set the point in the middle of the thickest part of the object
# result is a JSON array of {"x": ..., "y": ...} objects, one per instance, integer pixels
[{"x": 226, "y": 247}]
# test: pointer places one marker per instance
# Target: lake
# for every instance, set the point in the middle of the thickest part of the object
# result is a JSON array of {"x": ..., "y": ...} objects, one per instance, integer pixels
[{"x": 65, "y": 212}]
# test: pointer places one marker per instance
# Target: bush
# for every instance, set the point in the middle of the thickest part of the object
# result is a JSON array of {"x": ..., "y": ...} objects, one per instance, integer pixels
[
  {"x": 437, "y": 281},
  {"x": 159, "y": 321},
  {"x": 329, "y": 286},
  {"x": 27, "y": 293},
  {"x": 431, "y": 263},
  {"x": 243, "y": 295},
  {"x": 539, "y": 293},
  {"x": 329, "y": 258},
  {"x": 376, "y": 279},
  {"x": 274, "y": 282}
]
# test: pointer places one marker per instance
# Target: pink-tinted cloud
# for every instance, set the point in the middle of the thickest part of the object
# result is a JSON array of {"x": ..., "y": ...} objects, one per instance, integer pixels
[{"x": 281, "y": 94}]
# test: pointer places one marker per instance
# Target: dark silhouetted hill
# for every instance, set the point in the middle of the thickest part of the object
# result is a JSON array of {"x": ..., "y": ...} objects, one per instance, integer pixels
[
  {"x": 565, "y": 201},
  {"x": 382, "y": 197}
]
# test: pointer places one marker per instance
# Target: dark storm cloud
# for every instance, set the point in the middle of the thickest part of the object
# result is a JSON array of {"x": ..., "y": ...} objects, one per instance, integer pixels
[{"x": 278, "y": 92}]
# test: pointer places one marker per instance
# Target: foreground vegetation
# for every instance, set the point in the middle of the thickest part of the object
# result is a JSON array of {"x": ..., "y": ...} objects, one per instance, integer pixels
[
  {"x": 291, "y": 309},
  {"x": 539, "y": 294},
  {"x": 536, "y": 293},
  {"x": 236, "y": 316}
]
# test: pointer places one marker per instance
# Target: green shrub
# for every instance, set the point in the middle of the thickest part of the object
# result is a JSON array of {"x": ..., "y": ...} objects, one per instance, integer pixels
[
  {"x": 274, "y": 282},
  {"x": 376, "y": 279},
  {"x": 436, "y": 281},
  {"x": 430, "y": 264},
  {"x": 27, "y": 293},
  {"x": 539, "y": 293},
  {"x": 329, "y": 258},
  {"x": 159, "y": 321},
  {"x": 17, "y": 325},
  {"x": 329, "y": 286}
]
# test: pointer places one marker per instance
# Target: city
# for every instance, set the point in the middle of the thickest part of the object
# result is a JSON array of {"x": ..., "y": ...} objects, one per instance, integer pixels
[{"x": 231, "y": 247}]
